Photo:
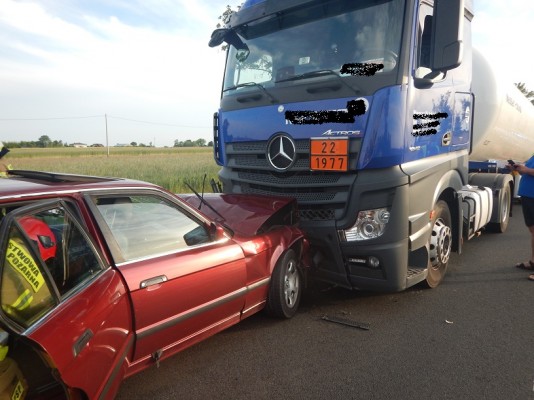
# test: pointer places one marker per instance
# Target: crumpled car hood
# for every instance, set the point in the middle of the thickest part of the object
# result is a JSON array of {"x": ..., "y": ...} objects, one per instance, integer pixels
[{"x": 247, "y": 215}]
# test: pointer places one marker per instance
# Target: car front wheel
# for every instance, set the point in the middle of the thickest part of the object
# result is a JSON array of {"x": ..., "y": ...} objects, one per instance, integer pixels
[{"x": 285, "y": 291}]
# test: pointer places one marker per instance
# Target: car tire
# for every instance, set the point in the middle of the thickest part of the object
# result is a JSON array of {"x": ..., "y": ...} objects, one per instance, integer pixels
[{"x": 286, "y": 286}]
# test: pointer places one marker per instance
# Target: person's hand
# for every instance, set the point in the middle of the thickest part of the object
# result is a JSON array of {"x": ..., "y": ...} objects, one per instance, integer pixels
[{"x": 521, "y": 169}]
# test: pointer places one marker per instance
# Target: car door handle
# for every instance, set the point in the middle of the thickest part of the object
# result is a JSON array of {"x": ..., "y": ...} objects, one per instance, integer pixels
[
  {"x": 82, "y": 341},
  {"x": 153, "y": 281}
]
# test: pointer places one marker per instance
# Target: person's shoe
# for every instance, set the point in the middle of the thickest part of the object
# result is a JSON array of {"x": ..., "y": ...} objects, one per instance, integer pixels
[{"x": 523, "y": 265}]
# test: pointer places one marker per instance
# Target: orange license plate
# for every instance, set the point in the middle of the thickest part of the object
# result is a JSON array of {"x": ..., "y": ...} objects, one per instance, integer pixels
[{"x": 329, "y": 154}]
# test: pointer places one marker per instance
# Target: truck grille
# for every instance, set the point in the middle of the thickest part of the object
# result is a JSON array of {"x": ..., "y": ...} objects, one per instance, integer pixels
[{"x": 321, "y": 195}]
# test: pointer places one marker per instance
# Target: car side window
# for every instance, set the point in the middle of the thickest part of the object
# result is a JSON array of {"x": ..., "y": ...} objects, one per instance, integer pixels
[
  {"x": 26, "y": 292},
  {"x": 46, "y": 256},
  {"x": 76, "y": 260},
  {"x": 147, "y": 225}
]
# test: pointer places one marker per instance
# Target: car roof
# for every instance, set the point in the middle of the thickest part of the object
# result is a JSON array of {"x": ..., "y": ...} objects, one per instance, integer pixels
[{"x": 22, "y": 183}]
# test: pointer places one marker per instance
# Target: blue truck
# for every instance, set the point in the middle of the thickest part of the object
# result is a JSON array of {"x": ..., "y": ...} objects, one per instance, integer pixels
[{"x": 384, "y": 123}]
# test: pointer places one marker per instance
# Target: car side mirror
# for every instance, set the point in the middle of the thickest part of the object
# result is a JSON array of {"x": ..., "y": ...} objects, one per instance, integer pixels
[{"x": 219, "y": 232}]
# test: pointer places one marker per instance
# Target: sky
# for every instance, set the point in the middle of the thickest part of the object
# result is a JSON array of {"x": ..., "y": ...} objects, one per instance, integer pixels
[{"x": 122, "y": 71}]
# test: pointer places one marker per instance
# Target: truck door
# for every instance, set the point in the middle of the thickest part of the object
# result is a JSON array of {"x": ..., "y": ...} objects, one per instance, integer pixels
[
  {"x": 433, "y": 100},
  {"x": 442, "y": 100},
  {"x": 57, "y": 293}
]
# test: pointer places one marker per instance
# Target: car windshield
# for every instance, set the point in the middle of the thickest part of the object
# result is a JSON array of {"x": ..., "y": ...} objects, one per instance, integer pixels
[{"x": 340, "y": 39}]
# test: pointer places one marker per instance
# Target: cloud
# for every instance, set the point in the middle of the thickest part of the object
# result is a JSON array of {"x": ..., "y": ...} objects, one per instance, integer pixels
[
  {"x": 149, "y": 60},
  {"x": 501, "y": 30},
  {"x": 82, "y": 62}
]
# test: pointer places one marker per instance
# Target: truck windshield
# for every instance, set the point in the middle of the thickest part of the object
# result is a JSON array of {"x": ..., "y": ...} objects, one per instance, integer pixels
[{"x": 357, "y": 41}]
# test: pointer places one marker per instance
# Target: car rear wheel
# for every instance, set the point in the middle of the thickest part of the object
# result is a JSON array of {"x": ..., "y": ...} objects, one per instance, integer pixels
[{"x": 285, "y": 291}]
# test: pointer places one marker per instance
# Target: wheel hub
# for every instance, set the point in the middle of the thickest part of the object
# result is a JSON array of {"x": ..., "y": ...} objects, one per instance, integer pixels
[
  {"x": 440, "y": 244},
  {"x": 291, "y": 284}
]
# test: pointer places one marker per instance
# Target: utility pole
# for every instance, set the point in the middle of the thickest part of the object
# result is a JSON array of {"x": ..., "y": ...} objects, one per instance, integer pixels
[{"x": 107, "y": 140}]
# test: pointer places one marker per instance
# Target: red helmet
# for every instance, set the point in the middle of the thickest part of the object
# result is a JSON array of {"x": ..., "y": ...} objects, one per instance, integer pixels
[{"x": 41, "y": 233}]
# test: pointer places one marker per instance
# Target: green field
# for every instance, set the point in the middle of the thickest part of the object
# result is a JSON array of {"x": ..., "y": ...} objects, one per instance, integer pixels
[{"x": 167, "y": 167}]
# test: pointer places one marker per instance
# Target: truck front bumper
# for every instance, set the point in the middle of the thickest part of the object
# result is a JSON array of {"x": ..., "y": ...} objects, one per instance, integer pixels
[{"x": 381, "y": 263}]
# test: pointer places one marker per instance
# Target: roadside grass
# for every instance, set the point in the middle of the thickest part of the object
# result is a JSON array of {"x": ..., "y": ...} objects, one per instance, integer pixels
[{"x": 170, "y": 168}]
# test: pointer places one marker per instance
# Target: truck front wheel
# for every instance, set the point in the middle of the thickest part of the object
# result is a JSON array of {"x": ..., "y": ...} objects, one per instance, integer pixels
[{"x": 439, "y": 244}]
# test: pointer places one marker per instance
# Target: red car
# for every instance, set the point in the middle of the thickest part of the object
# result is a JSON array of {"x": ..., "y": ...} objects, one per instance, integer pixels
[{"x": 103, "y": 277}]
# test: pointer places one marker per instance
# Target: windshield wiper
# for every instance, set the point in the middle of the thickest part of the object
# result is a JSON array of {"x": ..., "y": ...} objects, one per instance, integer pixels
[
  {"x": 202, "y": 200},
  {"x": 314, "y": 74},
  {"x": 255, "y": 84}
]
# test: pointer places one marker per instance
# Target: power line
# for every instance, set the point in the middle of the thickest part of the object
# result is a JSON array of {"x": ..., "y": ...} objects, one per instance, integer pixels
[
  {"x": 157, "y": 123},
  {"x": 103, "y": 116},
  {"x": 49, "y": 119}
]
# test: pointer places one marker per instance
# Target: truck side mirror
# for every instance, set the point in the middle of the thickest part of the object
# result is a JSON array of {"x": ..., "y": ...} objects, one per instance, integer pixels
[
  {"x": 217, "y": 37},
  {"x": 447, "y": 46}
]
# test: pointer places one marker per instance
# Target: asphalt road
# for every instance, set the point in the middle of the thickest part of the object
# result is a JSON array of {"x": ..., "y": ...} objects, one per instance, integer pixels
[{"x": 470, "y": 338}]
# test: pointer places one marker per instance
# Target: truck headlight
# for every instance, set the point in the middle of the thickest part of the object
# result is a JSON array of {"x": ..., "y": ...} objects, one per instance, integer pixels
[{"x": 369, "y": 225}]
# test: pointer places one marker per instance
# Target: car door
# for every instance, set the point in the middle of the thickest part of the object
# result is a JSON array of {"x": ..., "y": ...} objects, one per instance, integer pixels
[
  {"x": 186, "y": 279},
  {"x": 58, "y": 294}
]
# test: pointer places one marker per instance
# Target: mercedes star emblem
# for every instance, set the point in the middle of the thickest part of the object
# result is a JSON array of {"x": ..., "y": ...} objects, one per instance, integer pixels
[{"x": 281, "y": 152}]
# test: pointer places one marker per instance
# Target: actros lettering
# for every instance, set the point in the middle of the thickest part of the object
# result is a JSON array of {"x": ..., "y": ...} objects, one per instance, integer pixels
[{"x": 330, "y": 132}]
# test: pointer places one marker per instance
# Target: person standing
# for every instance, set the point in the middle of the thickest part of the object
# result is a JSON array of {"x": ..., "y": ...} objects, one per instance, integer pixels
[
  {"x": 526, "y": 191},
  {"x": 4, "y": 166}
]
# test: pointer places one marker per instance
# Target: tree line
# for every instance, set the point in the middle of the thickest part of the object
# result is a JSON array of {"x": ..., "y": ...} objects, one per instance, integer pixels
[
  {"x": 42, "y": 142},
  {"x": 192, "y": 143},
  {"x": 45, "y": 142}
]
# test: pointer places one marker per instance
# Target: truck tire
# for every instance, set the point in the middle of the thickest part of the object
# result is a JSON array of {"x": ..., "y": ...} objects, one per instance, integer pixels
[
  {"x": 285, "y": 290},
  {"x": 505, "y": 202},
  {"x": 439, "y": 244}
]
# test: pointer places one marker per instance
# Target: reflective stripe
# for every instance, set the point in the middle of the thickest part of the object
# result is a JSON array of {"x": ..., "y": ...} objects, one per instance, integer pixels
[
  {"x": 23, "y": 301},
  {"x": 22, "y": 262},
  {"x": 18, "y": 391}
]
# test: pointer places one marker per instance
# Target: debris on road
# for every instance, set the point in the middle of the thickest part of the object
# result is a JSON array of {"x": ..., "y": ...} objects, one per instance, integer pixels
[{"x": 347, "y": 322}]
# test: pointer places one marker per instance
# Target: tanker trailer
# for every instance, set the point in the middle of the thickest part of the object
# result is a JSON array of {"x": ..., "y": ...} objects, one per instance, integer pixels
[
  {"x": 504, "y": 118},
  {"x": 503, "y": 129}
]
